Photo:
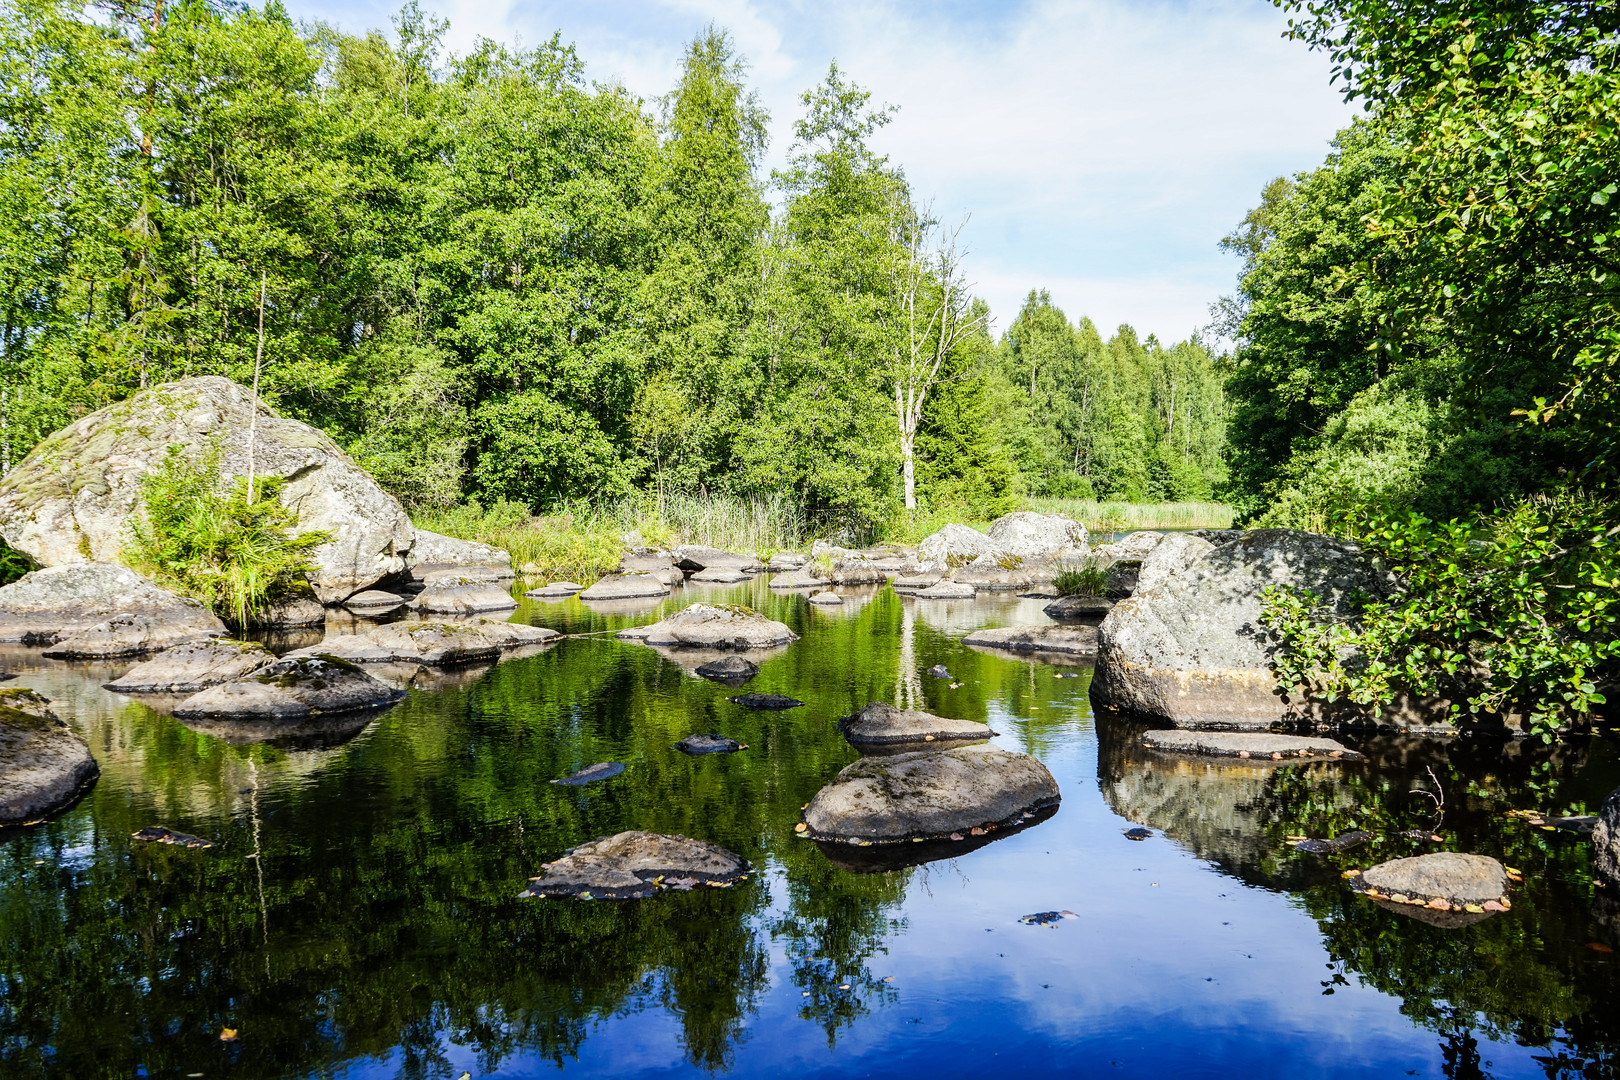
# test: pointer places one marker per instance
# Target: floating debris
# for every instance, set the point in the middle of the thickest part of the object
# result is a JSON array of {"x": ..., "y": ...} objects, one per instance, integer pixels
[
  {"x": 1421, "y": 835},
  {"x": 1138, "y": 833},
  {"x": 940, "y": 671},
  {"x": 157, "y": 834},
  {"x": 600, "y": 771}
]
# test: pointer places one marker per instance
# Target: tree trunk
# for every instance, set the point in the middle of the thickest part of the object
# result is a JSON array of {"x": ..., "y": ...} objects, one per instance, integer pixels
[{"x": 907, "y": 440}]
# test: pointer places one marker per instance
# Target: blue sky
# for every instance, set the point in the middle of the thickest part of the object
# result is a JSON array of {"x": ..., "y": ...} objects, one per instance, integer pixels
[{"x": 1101, "y": 147}]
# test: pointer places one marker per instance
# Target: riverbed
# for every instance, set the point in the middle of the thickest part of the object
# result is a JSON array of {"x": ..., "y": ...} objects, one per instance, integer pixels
[{"x": 358, "y": 915}]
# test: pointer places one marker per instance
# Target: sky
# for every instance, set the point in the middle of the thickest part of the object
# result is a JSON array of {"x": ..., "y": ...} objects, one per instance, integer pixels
[{"x": 1098, "y": 149}]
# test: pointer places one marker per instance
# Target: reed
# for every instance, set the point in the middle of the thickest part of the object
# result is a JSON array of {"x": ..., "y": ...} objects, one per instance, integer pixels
[{"x": 1110, "y": 517}]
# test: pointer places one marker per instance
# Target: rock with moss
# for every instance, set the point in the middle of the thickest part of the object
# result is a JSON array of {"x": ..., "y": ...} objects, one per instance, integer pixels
[
  {"x": 636, "y": 864},
  {"x": 194, "y": 666},
  {"x": 713, "y": 626},
  {"x": 1003, "y": 574},
  {"x": 70, "y": 500},
  {"x": 932, "y": 795},
  {"x": 129, "y": 635},
  {"x": 802, "y": 578},
  {"x": 60, "y": 602},
  {"x": 1078, "y": 607},
  {"x": 290, "y": 689},
  {"x": 954, "y": 545},
  {"x": 286, "y": 612},
  {"x": 463, "y": 590},
  {"x": 44, "y": 764},
  {"x": 434, "y": 644}
]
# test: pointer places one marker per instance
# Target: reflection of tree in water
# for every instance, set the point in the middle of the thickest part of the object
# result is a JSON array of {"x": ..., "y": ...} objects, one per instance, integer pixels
[{"x": 835, "y": 923}]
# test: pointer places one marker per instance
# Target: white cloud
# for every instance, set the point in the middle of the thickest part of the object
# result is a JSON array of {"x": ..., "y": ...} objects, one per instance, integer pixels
[{"x": 1102, "y": 147}]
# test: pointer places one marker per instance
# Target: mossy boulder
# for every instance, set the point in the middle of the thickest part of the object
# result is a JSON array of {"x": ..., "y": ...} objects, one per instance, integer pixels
[
  {"x": 713, "y": 626},
  {"x": 70, "y": 500},
  {"x": 194, "y": 666},
  {"x": 44, "y": 764},
  {"x": 291, "y": 689}
]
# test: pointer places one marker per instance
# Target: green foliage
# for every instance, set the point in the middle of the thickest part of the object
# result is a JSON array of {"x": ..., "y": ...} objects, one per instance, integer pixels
[
  {"x": 214, "y": 542},
  {"x": 1511, "y": 613},
  {"x": 1088, "y": 577},
  {"x": 13, "y": 564}
]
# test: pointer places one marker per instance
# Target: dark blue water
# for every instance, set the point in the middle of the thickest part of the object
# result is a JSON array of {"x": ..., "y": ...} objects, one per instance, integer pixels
[{"x": 359, "y": 916}]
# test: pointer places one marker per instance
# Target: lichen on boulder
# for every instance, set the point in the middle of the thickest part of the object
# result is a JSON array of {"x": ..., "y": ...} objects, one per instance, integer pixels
[{"x": 193, "y": 666}]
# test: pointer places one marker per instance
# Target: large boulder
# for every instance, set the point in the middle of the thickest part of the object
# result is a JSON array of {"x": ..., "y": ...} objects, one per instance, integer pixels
[
  {"x": 464, "y": 590},
  {"x": 1441, "y": 880},
  {"x": 431, "y": 551},
  {"x": 292, "y": 688},
  {"x": 633, "y": 864},
  {"x": 1029, "y": 535},
  {"x": 929, "y": 796},
  {"x": 1188, "y": 648},
  {"x": 59, "y": 602},
  {"x": 713, "y": 626},
  {"x": 194, "y": 666},
  {"x": 44, "y": 765},
  {"x": 70, "y": 500},
  {"x": 953, "y": 546},
  {"x": 880, "y": 725}
]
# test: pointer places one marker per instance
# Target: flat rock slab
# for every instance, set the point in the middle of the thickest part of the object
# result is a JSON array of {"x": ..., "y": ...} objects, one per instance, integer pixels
[
  {"x": 589, "y": 774},
  {"x": 709, "y": 743},
  {"x": 719, "y": 575},
  {"x": 374, "y": 601},
  {"x": 1073, "y": 640},
  {"x": 159, "y": 834},
  {"x": 434, "y": 644},
  {"x": 929, "y": 796},
  {"x": 134, "y": 635},
  {"x": 194, "y": 666},
  {"x": 1441, "y": 881},
  {"x": 730, "y": 669},
  {"x": 46, "y": 606},
  {"x": 946, "y": 590},
  {"x": 1078, "y": 607},
  {"x": 714, "y": 626},
  {"x": 44, "y": 764},
  {"x": 798, "y": 579},
  {"x": 292, "y": 689},
  {"x": 827, "y": 599},
  {"x": 635, "y": 864},
  {"x": 916, "y": 582},
  {"x": 881, "y": 724},
  {"x": 765, "y": 701},
  {"x": 785, "y": 561},
  {"x": 1249, "y": 744},
  {"x": 625, "y": 587},
  {"x": 465, "y": 590},
  {"x": 557, "y": 590},
  {"x": 694, "y": 558}
]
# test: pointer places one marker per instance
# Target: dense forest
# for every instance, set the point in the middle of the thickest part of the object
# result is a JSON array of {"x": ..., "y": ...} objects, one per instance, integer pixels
[{"x": 493, "y": 281}]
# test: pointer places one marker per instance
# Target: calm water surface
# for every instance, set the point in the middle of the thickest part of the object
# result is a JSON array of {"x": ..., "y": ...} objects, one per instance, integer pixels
[{"x": 359, "y": 916}]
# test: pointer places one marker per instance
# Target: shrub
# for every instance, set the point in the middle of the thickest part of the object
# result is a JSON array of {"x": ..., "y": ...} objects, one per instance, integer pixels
[
  {"x": 205, "y": 538},
  {"x": 1088, "y": 577}
]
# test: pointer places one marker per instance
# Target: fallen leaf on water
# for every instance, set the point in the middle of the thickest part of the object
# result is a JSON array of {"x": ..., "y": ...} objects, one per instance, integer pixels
[
  {"x": 845, "y": 986},
  {"x": 1511, "y": 870},
  {"x": 1473, "y": 909},
  {"x": 1598, "y": 946},
  {"x": 465, "y": 1076},
  {"x": 800, "y": 827},
  {"x": 804, "y": 993},
  {"x": 975, "y": 831},
  {"x": 956, "y": 836},
  {"x": 227, "y": 1035},
  {"x": 888, "y": 978}
]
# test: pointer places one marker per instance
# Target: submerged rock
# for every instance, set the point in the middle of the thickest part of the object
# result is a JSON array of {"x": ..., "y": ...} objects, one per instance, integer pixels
[
  {"x": 765, "y": 701},
  {"x": 60, "y": 602},
  {"x": 1343, "y": 842},
  {"x": 1052, "y": 638},
  {"x": 464, "y": 590},
  {"x": 1249, "y": 744},
  {"x": 708, "y": 744},
  {"x": 730, "y": 669},
  {"x": 929, "y": 795},
  {"x": 634, "y": 864},
  {"x": 625, "y": 587},
  {"x": 44, "y": 765},
  {"x": 1442, "y": 881},
  {"x": 194, "y": 666},
  {"x": 160, "y": 834},
  {"x": 714, "y": 626},
  {"x": 880, "y": 724},
  {"x": 946, "y": 590},
  {"x": 70, "y": 500},
  {"x": 600, "y": 771},
  {"x": 291, "y": 689},
  {"x": 557, "y": 590}
]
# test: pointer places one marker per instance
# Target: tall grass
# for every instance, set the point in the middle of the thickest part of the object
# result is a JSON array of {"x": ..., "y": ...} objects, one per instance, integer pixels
[{"x": 1107, "y": 517}]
